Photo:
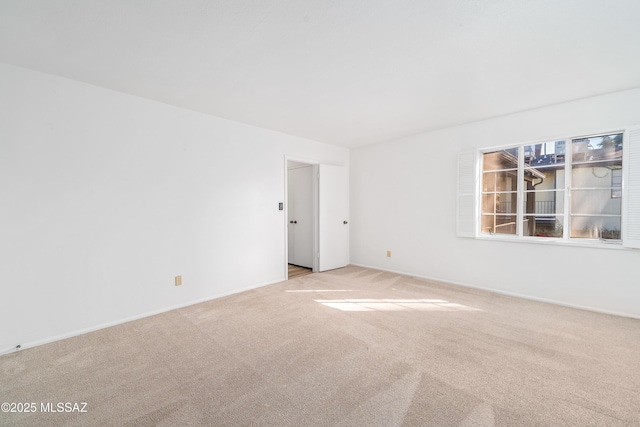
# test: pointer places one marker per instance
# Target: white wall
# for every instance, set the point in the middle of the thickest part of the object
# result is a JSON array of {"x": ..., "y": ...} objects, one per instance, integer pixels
[
  {"x": 403, "y": 199},
  {"x": 106, "y": 197}
]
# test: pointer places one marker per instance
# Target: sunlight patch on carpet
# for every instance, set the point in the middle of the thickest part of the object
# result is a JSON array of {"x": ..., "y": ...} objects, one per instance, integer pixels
[
  {"x": 320, "y": 290},
  {"x": 395, "y": 305}
]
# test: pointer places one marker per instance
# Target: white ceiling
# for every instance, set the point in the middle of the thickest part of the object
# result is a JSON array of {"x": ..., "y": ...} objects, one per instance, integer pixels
[{"x": 346, "y": 72}]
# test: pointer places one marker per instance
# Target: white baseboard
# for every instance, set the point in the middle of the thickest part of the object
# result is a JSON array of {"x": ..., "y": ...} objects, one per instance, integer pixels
[
  {"x": 507, "y": 293},
  {"x": 24, "y": 346}
]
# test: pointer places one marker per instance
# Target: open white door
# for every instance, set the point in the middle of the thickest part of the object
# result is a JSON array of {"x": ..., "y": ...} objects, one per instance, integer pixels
[{"x": 333, "y": 217}]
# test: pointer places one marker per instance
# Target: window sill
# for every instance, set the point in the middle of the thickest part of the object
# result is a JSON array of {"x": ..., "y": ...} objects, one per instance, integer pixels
[{"x": 585, "y": 243}]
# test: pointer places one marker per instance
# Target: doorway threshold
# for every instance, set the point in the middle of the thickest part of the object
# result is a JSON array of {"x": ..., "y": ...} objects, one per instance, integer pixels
[{"x": 297, "y": 271}]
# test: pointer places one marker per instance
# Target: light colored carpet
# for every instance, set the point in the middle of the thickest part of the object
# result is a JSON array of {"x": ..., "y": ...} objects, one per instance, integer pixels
[{"x": 350, "y": 347}]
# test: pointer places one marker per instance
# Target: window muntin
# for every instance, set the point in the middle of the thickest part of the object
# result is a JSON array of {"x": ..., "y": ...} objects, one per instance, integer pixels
[{"x": 561, "y": 195}]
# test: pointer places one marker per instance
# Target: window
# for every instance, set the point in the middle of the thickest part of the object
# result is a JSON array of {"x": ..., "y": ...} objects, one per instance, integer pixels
[
  {"x": 566, "y": 189},
  {"x": 594, "y": 213}
]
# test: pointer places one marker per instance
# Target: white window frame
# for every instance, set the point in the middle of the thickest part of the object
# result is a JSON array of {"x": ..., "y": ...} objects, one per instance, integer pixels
[{"x": 470, "y": 202}]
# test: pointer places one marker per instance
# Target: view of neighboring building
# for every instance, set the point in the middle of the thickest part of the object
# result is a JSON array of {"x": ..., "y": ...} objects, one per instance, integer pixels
[{"x": 580, "y": 192}]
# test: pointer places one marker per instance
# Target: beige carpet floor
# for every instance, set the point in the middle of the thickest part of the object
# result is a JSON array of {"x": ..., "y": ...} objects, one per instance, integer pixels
[{"x": 350, "y": 347}]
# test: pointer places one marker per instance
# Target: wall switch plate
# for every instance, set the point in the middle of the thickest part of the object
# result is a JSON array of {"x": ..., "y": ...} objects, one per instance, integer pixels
[
  {"x": 388, "y": 254},
  {"x": 178, "y": 280}
]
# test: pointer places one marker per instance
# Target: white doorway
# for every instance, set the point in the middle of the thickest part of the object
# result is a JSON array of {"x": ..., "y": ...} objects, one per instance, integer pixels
[
  {"x": 300, "y": 213},
  {"x": 317, "y": 215}
]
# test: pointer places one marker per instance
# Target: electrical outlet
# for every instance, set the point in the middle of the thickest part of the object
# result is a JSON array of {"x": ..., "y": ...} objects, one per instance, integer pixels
[
  {"x": 178, "y": 280},
  {"x": 388, "y": 254}
]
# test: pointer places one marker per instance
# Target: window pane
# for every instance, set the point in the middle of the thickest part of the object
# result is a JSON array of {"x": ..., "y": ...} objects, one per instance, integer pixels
[
  {"x": 597, "y": 149},
  {"x": 499, "y": 181},
  {"x": 616, "y": 183},
  {"x": 503, "y": 159},
  {"x": 499, "y": 203},
  {"x": 543, "y": 226},
  {"x": 592, "y": 176},
  {"x": 594, "y": 202},
  {"x": 595, "y": 227},
  {"x": 499, "y": 224},
  {"x": 545, "y": 154},
  {"x": 543, "y": 179},
  {"x": 489, "y": 203},
  {"x": 544, "y": 202}
]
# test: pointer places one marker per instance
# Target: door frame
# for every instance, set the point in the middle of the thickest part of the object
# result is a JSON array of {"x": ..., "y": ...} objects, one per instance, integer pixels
[{"x": 314, "y": 208}]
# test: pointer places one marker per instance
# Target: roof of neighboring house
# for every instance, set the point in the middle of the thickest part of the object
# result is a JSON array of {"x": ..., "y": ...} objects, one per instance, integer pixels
[{"x": 593, "y": 155}]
